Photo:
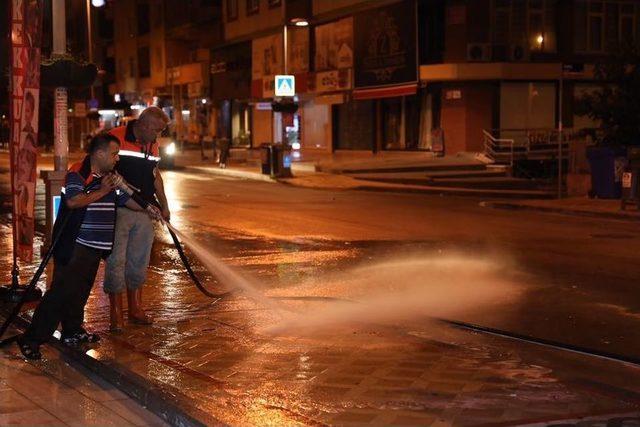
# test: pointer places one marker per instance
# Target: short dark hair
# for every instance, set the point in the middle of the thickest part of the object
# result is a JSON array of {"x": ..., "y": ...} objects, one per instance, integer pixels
[{"x": 101, "y": 142}]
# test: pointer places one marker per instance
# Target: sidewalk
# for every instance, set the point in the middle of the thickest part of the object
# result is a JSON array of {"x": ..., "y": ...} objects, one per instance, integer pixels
[
  {"x": 54, "y": 393},
  {"x": 579, "y": 206},
  {"x": 304, "y": 176}
]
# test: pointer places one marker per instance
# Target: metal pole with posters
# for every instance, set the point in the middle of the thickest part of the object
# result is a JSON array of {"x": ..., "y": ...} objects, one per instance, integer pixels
[{"x": 26, "y": 29}]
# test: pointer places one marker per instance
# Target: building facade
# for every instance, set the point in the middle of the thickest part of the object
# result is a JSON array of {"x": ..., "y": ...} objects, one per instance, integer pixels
[
  {"x": 422, "y": 76},
  {"x": 384, "y": 76}
]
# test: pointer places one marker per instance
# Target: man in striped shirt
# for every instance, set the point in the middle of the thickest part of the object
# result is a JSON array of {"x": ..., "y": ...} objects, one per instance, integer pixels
[{"x": 85, "y": 226}]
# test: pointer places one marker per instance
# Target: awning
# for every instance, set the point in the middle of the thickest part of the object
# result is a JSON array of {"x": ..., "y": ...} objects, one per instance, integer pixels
[{"x": 386, "y": 92}]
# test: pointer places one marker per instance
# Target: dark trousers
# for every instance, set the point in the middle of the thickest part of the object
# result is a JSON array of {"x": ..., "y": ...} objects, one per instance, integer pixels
[{"x": 64, "y": 302}]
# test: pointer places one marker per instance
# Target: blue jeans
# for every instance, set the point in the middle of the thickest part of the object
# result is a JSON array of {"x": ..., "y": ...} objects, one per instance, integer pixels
[{"x": 127, "y": 265}]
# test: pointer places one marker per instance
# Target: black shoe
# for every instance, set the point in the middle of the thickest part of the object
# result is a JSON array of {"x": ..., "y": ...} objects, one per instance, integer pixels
[
  {"x": 74, "y": 340},
  {"x": 29, "y": 349}
]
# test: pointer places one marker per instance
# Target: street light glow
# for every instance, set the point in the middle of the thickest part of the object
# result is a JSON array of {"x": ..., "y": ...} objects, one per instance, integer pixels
[
  {"x": 300, "y": 22},
  {"x": 97, "y": 3},
  {"x": 540, "y": 39}
]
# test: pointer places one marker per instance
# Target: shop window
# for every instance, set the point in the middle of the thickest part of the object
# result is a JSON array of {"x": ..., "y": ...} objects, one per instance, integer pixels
[
  {"x": 240, "y": 124},
  {"x": 354, "y": 125},
  {"x": 527, "y": 105},
  {"x": 392, "y": 126}
]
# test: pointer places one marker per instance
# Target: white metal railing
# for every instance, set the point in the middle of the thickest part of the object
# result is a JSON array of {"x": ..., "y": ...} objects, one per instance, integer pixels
[
  {"x": 494, "y": 148},
  {"x": 508, "y": 145}
]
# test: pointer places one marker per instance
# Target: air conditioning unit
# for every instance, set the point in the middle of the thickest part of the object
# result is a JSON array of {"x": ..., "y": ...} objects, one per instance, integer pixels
[
  {"x": 519, "y": 52},
  {"x": 479, "y": 52}
]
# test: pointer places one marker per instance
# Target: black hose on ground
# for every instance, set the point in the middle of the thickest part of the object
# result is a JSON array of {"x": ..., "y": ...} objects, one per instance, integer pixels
[{"x": 192, "y": 274}]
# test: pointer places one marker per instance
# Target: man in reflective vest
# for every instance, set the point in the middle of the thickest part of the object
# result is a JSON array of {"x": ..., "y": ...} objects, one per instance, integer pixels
[{"x": 127, "y": 265}]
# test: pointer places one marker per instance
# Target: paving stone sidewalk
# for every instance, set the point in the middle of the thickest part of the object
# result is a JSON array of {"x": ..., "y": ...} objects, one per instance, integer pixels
[{"x": 53, "y": 393}]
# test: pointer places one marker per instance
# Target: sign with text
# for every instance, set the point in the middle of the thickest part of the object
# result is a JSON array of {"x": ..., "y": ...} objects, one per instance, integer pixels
[
  {"x": 285, "y": 85},
  {"x": 332, "y": 81},
  {"x": 385, "y": 45}
]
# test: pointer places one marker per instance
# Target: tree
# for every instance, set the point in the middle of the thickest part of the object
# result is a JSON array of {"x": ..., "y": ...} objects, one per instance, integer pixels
[{"x": 616, "y": 104}]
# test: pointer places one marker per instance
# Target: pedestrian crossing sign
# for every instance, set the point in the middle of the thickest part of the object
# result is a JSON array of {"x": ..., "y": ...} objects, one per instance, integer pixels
[{"x": 285, "y": 85}]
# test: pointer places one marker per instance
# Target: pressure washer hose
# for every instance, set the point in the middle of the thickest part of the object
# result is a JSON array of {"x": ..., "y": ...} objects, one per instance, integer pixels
[{"x": 187, "y": 266}]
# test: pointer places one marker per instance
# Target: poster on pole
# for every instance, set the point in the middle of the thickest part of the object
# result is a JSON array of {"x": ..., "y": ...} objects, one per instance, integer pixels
[{"x": 26, "y": 32}]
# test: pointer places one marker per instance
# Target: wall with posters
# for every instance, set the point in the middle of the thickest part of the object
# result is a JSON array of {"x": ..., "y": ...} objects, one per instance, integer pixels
[
  {"x": 266, "y": 62},
  {"x": 26, "y": 32}
]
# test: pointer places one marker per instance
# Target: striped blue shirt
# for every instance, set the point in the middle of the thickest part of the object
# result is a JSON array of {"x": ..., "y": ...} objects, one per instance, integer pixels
[{"x": 99, "y": 221}]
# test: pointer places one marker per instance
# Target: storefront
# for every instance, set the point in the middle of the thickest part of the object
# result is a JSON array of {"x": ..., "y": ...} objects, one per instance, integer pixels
[
  {"x": 383, "y": 111},
  {"x": 329, "y": 86},
  {"x": 188, "y": 88},
  {"x": 231, "y": 93},
  {"x": 267, "y": 62}
]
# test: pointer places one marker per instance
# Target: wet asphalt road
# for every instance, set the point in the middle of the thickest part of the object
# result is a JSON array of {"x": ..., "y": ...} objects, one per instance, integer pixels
[{"x": 579, "y": 275}]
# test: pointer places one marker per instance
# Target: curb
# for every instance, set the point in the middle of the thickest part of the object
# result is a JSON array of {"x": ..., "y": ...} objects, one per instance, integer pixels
[
  {"x": 165, "y": 401},
  {"x": 451, "y": 191},
  {"x": 448, "y": 191},
  {"x": 234, "y": 173},
  {"x": 562, "y": 211}
]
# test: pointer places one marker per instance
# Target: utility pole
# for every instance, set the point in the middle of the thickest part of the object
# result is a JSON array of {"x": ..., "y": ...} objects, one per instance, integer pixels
[
  {"x": 60, "y": 124},
  {"x": 560, "y": 90},
  {"x": 90, "y": 41}
]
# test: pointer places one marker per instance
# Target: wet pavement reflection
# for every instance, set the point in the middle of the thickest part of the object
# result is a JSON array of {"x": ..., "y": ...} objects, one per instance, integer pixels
[{"x": 412, "y": 371}]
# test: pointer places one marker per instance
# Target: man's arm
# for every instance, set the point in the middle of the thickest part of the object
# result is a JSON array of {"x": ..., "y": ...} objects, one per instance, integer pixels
[
  {"x": 82, "y": 199},
  {"x": 162, "y": 198}
]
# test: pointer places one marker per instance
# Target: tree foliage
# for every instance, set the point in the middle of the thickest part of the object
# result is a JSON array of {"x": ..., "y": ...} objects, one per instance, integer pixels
[{"x": 616, "y": 103}]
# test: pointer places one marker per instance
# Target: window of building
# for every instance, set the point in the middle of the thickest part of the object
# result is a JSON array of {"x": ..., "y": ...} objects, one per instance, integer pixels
[
  {"x": 595, "y": 26},
  {"x": 232, "y": 10},
  {"x": 627, "y": 24},
  {"x": 144, "y": 62},
  {"x": 522, "y": 26},
  {"x": 253, "y": 7},
  {"x": 601, "y": 25},
  {"x": 142, "y": 17}
]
